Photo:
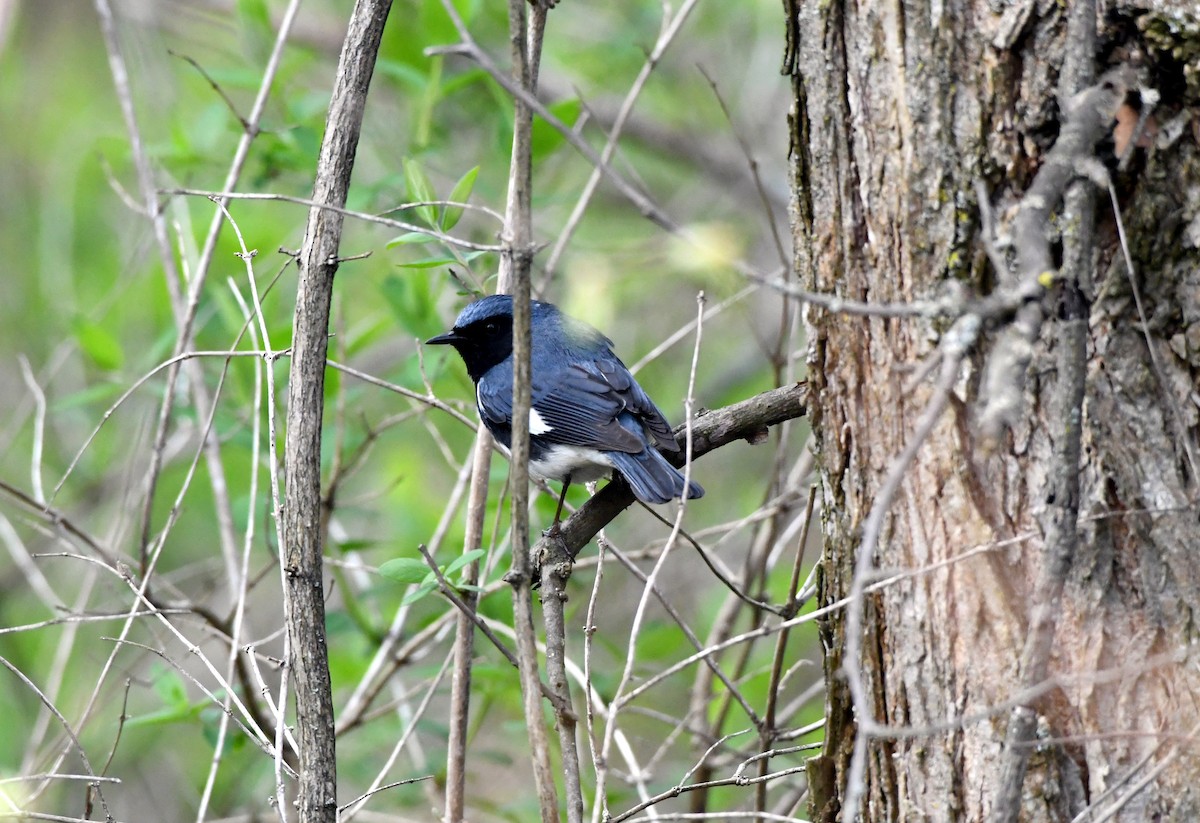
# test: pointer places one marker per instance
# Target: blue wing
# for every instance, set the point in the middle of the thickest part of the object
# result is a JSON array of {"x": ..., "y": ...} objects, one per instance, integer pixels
[{"x": 594, "y": 404}]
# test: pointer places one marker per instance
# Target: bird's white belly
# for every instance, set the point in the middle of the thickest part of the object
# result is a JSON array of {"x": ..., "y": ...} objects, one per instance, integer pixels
[{"x": 584, "y": 465}]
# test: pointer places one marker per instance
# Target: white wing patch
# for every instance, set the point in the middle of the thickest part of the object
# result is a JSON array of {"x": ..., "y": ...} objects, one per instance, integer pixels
[{"x": 536, "y": 424}]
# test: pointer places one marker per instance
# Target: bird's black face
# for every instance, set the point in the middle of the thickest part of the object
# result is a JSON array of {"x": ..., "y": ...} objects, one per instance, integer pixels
[{"x": 482, "y": 343}]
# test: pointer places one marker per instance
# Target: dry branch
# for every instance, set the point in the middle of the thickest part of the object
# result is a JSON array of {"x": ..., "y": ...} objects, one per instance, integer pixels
[
  {"x": 747, "y": 420},
  {"x": 1089, "y": 119},
  {"x": 515, "y": 263},
  {"x": 1060, "y": 522}
]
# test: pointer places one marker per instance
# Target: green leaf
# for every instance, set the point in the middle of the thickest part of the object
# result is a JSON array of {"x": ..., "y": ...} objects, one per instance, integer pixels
[
  {"x": 428, "y": 102},
  {"x": 431, "y": 22},
  {"x": 254, "y": 12},
  {"x": 405, "y": 570},
  {"x": 428, "y": 263},
  {"x": 409, "y": 238},
  {"x": 210, "y": 726},
  {"x": 544, "y": 138},
  {"x": 99, "y": 393},
  {"x": 368, "y": 333},
  {"x": 100, "y": 345},
  {"x": 354, "y": 545},
  {"x": 172, "y": 691},
  {"x": 463, "y": 80},
  {"x": 461, "y": 193},
  {"x": 395, "y": 292},
  {"x": 170, "y": 688},
  {"x": 254, "y": 17},
  {"x": 418, "y": 593},
  {"x": 402, "y": 73},
  {"x": 412, "y": 300},
  {"x": 462, "y": 560},
  {"x": 420, "y": 190},
  {"x": 172, "y": 714},
  {"x": 434, "y": 262}
]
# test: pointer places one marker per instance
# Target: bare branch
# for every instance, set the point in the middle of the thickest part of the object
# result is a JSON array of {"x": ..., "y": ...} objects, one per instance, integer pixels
[
  {"x": 670, "y": 29},
  {"x": 767, "y": 731},
  {"x": 377, "y": 219},
  {"x": 1089, "y": 118},
  {"x": 711, "y": 430},
  {"x": 464, "y": 633},
  {"x": 305, "y": 592},
  {"x": 515, "y": 263}
]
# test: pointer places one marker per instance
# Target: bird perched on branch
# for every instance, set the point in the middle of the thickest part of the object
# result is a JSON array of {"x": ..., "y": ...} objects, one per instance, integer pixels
[{"x": 588, "y": 416}]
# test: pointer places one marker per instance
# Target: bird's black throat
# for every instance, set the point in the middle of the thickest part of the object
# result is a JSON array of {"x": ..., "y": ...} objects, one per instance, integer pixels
[{"x": 483, "y": 344}]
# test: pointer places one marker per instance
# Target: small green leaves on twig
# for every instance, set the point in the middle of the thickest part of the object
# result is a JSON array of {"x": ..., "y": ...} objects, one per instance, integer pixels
[{"x": 415, "y": 571}]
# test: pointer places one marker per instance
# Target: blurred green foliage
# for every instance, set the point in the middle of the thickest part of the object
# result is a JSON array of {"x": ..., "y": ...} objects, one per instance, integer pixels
[{"x": 86, "y": 304}]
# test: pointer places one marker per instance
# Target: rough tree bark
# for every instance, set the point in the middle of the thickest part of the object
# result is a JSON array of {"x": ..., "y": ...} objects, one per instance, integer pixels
[{"x": 899, "y": 109}]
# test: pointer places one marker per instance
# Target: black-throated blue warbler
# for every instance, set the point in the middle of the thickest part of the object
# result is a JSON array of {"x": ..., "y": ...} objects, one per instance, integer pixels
[{"x": 589, "y": 416}]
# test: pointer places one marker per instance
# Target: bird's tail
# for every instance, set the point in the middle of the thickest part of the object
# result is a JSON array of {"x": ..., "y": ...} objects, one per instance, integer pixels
[{"x": 652, "y": 478}]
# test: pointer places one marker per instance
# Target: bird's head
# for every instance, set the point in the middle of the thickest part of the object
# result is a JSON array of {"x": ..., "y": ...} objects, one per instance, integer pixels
[{"x": 482, "y": 334}]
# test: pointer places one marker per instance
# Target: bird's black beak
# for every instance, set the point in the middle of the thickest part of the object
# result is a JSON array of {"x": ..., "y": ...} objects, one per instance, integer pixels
[{"x": 448, "y": 339}]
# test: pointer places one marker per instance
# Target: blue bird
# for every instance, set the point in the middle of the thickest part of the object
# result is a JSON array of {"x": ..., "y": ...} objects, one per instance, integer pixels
[{"x": 589, "y": 416}]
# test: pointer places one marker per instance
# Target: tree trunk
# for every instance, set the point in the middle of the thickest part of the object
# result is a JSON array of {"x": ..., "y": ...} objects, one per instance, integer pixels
[{"x": 900, "y": 110}]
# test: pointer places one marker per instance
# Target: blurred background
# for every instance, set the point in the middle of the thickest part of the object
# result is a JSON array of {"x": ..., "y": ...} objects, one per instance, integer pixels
[{"x": 87, "y": 322}]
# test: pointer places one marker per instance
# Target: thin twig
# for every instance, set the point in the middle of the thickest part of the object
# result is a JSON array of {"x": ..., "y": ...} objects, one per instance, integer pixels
[
  {"x": 425, "y": 399},
  {"x": 464, "y": 633},
  {"x": 737, "y": 780},
  {"x": 470, "y": 49},
  {"x": 267, "y": 374},
  {"x": 1089, "y": 814},
  {"x": 347, "y": 812},
  {"x": 1177, "y": 416},
  {"x": 451, "y": 594},
  {"x": 785, "y": 258},
  {"x": 717, "y": 571},
  {"x": 215, "y": 86},
  {"x": 366, "y": 217},
  {"x": 515, "y": 263},
  {"x": 1088, "y": 121},
  {"x": 599, "y": 765},
  {"x": 767, "y": 732},
  {"x": 120, "y": 74},
  {"x": 39, "y": 429},
  {"x": 1060, "y": 520},
  {"x": 74, "y": 738},
  {"x": 649, "y": 586},
  {"x": 669, "y": 29},
  {"x": 243, "y": 573}
]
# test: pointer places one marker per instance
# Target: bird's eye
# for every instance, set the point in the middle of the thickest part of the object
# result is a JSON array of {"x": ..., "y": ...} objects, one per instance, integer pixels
[{"x": 490, "y": 327}]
